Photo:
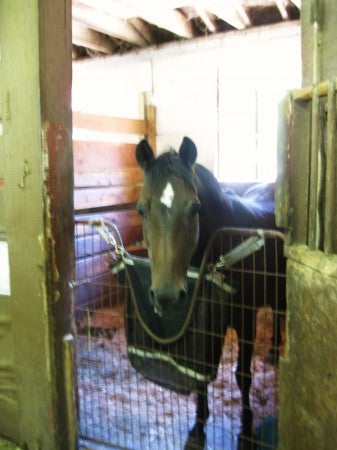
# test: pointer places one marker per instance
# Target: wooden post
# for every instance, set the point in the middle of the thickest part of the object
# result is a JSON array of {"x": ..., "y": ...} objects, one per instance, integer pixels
[
  {"x": 150, "y": 115},
  {"x": 148, "y": 111}
]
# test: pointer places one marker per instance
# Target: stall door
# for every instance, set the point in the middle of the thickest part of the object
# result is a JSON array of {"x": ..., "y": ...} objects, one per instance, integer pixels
[{"x": 307, "y": 207}]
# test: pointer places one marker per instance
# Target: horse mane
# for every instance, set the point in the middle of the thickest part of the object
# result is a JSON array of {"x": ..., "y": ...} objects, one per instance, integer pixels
[{"x": 208, "y": 187}]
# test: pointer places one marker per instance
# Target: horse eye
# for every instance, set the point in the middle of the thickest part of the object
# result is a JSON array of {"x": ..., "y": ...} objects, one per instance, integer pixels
[
  {"x": 195, "y": 208},
  {"x": 141, "y": 211}
]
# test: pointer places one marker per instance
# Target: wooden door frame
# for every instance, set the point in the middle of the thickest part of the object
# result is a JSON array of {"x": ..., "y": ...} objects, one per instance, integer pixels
[{"x": 37, "y": 219}]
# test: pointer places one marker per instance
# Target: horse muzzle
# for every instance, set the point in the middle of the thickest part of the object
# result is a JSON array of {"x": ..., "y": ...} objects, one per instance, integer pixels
[{"x": 167, "y": 301}]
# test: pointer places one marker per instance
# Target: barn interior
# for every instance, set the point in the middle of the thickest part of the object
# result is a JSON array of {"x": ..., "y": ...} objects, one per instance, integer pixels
[
  {"x": 246, "y": 80},
  {"x": 174, "y": 96}
]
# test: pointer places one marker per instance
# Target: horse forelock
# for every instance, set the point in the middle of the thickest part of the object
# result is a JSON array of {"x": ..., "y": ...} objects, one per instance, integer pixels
[{"x": 169, "y": 164}]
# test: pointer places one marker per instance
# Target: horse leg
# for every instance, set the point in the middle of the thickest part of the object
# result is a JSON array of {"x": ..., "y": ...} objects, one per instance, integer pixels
[
  {"x": 244, "y": 379},
  {"x": 197, "y": 436}
]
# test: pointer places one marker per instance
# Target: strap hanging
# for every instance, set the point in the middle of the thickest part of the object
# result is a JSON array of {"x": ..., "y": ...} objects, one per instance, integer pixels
[{"x": 113, "y": 239}]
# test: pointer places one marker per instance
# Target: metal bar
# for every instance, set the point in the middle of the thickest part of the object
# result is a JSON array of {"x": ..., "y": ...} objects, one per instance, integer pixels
[
  {"x": 266, "y": 233},
  {"x": 241, "y": 251}
]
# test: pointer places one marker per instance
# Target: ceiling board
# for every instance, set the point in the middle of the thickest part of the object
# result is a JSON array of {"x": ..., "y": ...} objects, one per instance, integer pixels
[{"x": 103, "y": 27}]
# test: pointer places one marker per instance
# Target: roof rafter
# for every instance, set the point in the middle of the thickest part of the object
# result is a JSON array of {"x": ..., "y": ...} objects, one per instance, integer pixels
[
  {"x": 117, "y": 26},
  {"x": 106, "y": 23},
  {"x": 297, "y": 3},
  {"x": 143, "y": 29},
  {"x": 229, "y": 11},
  {"x": 242, "y": 12},
  {"x": 281, "y": 7},
  {"x": 85, "y": 37},
  {"x": 204, "y": 17},
  {"x": 167, "y": 18}
]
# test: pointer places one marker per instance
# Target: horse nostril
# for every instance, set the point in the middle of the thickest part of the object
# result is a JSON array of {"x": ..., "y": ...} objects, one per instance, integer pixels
[{"x": 152, "y": 296}]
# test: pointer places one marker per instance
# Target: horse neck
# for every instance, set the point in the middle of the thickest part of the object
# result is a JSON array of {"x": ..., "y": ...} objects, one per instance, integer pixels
[
  {"x": 228, "y": 209},
  {"x": 220, "y": 209}
]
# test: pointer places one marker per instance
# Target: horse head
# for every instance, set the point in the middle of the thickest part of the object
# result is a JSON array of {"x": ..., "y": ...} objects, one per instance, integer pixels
[{"x": 169, "y": 208}]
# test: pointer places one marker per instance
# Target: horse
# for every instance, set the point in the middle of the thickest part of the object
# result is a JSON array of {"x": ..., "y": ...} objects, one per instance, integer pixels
[{"x": 181, "y": 204}]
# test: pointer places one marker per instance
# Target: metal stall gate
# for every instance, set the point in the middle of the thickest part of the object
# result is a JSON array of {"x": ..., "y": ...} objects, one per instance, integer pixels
[{"x": 119, "y": 407}]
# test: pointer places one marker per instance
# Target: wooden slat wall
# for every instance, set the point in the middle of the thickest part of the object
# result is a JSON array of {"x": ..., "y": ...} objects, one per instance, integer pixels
[
  {"x": 105, "y": 174},
  {"x": 109, "y": 124},
  {"x": 107, "y": 178},
  {"x": 107, "y": 183}
]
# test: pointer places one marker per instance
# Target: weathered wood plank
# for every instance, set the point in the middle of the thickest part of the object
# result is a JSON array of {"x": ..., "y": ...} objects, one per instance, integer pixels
[
  {"x": 117, "y": 177},
  {"x": 105, "y": 164},
  {"x": 100, "y": 197},
  {"x": 109, "y": 124},
  {"x": 103, "y": 155}
]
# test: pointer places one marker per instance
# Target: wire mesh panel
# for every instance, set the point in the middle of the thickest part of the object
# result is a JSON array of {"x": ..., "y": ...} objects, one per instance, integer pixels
[{"x": 120, "y": 407}]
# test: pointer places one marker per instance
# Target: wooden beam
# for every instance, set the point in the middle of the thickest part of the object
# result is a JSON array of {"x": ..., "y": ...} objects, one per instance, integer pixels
[
  {"x": 143, "y": 29},
  {"x": 109, "y": 124},
  {"x": 160, "y": 14},
  {"x": 297, "y": 3},
  {"x": 150, "y": 114},
  {"x": 227, "y": 11},
  {"x": 169, "y": 19},
  {"x": 89, "y": 38},
  {"x": 121, "y": 11},
  {"x": 204, "y": 17},
  {"x": 282, "y": 9},
  {"x": 106, "y": 23},
  {"x": 242, "y": 12}
]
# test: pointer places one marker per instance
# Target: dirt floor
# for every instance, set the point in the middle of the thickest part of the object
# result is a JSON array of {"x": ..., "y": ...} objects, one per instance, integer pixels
[{"x": 121, "y": 408}]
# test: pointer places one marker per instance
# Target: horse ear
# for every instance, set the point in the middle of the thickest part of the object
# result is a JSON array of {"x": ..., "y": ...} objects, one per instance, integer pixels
[
  {"x": 188, "y": 152},
  {"x": 144, "y": 155}
]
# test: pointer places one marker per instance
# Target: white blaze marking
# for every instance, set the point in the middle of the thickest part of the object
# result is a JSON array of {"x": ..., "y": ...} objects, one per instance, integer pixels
[{"x": 167, "y": 196}]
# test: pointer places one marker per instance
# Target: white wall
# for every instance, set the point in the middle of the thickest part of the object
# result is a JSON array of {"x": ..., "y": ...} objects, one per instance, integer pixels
[{"x": 187, "y": 80}]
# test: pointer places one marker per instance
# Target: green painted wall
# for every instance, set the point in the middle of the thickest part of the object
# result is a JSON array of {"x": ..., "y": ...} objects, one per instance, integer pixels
[
  {"x": 36, "y": 218},
  {"x": 308, "y": 372}
]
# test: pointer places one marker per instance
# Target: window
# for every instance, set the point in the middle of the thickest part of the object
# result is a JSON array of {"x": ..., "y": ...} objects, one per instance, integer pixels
[{"x": 249, "y": 91}]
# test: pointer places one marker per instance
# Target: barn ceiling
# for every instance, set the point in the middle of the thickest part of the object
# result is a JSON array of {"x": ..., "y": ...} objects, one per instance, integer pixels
[{"x": 119, "y": 26}]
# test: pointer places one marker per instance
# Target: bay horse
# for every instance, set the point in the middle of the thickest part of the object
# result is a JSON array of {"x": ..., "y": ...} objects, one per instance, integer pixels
[{"x": 181, "y": 204}]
